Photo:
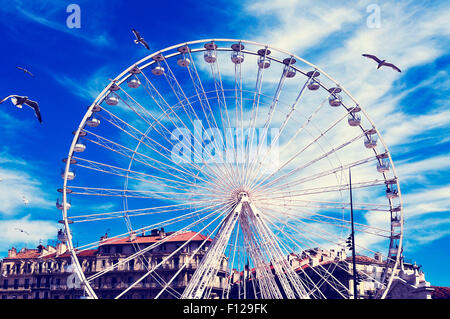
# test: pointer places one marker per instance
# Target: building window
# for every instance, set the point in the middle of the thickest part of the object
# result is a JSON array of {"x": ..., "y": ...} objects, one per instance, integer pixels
[
  {"x": 16, "y": 283},
  {"x": 27, "y": 283},
  {"x": 5, "y": 284}
]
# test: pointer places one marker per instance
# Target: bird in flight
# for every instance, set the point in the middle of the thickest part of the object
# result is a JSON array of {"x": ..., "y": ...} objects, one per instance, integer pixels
[
  {"x": 22, "y": 231},
  {"x": 18, "y": 101},
  {"x": 140, "y": 39},
  {"x": 25, "y": 200},
  {"x": 25, "y": 70},
  {"x": 381, "y": 62}
]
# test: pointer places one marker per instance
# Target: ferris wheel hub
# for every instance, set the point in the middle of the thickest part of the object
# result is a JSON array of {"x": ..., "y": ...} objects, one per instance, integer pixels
[{"x": 243, "y": 197}]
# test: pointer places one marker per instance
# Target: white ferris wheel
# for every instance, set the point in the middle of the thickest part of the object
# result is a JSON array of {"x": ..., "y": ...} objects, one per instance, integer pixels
[{"x": 240, "y": 154}]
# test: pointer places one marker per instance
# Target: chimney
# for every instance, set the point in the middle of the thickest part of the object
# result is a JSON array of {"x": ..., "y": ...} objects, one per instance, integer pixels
[
  {"x": 50, "y": 249},
  {"x": 12, "y": 252},
  {"x": 60, "y": 249},
  {"x": 378, "y": 257}
]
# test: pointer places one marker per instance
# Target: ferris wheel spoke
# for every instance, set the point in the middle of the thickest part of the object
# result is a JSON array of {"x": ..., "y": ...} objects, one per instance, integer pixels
[
  {"x": 254, "y": 112},
  {"x": 293, "y": 203},
  {"x": 341, "y": 264},
  {"x": 132, "y": 154},
  {"x": 178, "y": 118},
  {"x": 187, "y": 142},
  {"x": 174, "y": 83},
  {"x": 292, "y": 284},
  {"x": 142, "y": 158},
  {"x": 144, "y": 114},
  {"x": 256, "y": 251},
  {"x": 239, "y": 116},
  {"x": 275, "y": 139},
  {"x": 187, "y": 262},
  {"x": 223, "y": 212},
  {"x": 130, "y": 193},
  {"x": 313, "y": 177},
  {"x": 180, "y": 95},
  {"x": 140, "y": 137},
  {"x": 194, "y": 214},
  {"x": 232, "y": 255},
  {"x": 315, "y": 160},
  {"x": 333, "y": 221},
  {"x": 326, "y": 189},
  {"x": 146, "y": 249},
  {"x": 209, "y": 265},
  {"x": 315, "y": 140},
  {"x": 224, "y": 114},
  {"x": 218, "y": 141},
  {"x": 134, "y": 175},
  {"x": 312, "y": 287},
  {"x": 319, "y": 232},
  {"x": 165, "y": 209},
  {"x": 319, "y": 270}
]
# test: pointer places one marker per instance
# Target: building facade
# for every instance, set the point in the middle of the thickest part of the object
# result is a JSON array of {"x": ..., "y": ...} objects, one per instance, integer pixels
[
  {"x": 47, "y": 272},
  {"x": 315, "y": 264}
]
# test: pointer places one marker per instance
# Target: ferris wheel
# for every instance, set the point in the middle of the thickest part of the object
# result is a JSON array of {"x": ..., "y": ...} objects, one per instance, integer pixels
[{"x": 237, "y": 155}]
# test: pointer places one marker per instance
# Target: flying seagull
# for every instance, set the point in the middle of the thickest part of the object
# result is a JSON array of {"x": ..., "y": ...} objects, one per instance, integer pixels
[
  {"x": 25, "y": 70},
  {"x": 140, "y": 39},
  {"x": 381, "y": 62},
  {"x": 23, "y": 231},
  {"x": 18, "y": 101},
  {"x": 25, "y": 200}
]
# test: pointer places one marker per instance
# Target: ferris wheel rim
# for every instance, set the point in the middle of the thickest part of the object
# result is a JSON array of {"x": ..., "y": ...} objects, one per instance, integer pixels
[{"x": 124, "y": 75}]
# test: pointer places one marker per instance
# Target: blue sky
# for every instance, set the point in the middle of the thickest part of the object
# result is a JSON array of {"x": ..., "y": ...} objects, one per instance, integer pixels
[{"x": 72, "y": 66}]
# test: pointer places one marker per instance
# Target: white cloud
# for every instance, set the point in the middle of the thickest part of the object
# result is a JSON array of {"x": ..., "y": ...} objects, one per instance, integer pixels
[
  {"x": 17, "y": 182},
  {"x": 26, "y": 231}
]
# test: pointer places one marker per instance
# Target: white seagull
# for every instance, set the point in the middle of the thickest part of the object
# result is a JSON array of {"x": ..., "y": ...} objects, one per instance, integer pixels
[
  {"x": 25, "y": 200},
  {"x": 140, "y": 39},
  {"x": 381, "y": 62},
  {"x": 22, "y": 231},
  {"x": 25, "y": 70},
  {"x": 18, "y": 101}
]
